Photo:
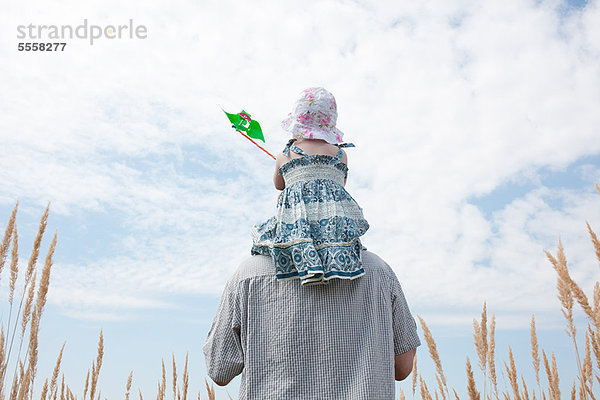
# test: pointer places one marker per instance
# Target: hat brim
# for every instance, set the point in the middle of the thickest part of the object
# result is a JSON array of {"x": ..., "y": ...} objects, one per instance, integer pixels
[{"x": 300, "y": 130}]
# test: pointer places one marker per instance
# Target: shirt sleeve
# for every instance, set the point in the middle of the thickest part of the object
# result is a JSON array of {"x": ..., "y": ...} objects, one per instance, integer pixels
[
  {"x": 222, "y": 348},
  {"x": 405, "y": 328}
]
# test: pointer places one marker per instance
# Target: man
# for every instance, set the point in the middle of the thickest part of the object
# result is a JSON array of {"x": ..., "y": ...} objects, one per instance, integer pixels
[{"x": 346, "y": 340}]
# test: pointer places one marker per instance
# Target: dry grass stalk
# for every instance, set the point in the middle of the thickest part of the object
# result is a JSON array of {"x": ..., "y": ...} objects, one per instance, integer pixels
[
  {"x": 414, "y": 375},
  {"x": 7, "y": 236},
  {"x": 96, "y": 367},
  {"x": 210, "y": 389},
  {"x": 434, "y": 354},
  {"x": 556, "y": 380},
  {"x": 14, "y": 268},
  {"x": 44, "y": 393},
  {"x": 87, "y": 382},
  {"x": 587, "y": 361},
  {"x": 141, "y": 397},
  {"x": 573, "y": 391},
  {"x": 595, "y": 241},
  {"x": 535, "y": 352},
  {"x": 595, "y": 341},
  {"x": 481, "y": 344},
  {"x": 549, "y": 375},
  {"x": 525, "y": 391},
  {"x": 455, "y": 395},
  {"x": 402, "y": 397},
  {"x": 174, "y": 379},
  {"x": 162, "y": 384},
  {"x": 186, "y": 378},
  {"x": 491, "y": 354},
  {"x": 62, "y": 388},
  {"x": 35, "y": 252},
  {"x": 56, "y": 369},
  {"x": 440, "y": 386},
  {"x": 424, "y": 390},
  {"x": 128, "y": 385},
  {"x": 512, "y": 374},
  {"x": 473, "y": 393},
  {"x": 563, "y": 274},
  {"x": 28, "y": 305}
]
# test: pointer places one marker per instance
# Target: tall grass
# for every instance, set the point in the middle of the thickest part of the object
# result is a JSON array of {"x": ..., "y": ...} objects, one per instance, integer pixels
[{"x": 19, "y": 342}]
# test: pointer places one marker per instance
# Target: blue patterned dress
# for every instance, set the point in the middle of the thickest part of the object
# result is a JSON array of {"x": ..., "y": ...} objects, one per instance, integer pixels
[{"x": 315, "y": 235}]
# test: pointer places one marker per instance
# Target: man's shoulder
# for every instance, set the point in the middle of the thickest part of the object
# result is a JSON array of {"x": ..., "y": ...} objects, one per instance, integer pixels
[{"x": 254, "y": 266}]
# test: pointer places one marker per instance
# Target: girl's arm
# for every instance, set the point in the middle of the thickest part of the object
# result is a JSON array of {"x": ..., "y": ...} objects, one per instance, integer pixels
[{"x": 278, "y": 179}]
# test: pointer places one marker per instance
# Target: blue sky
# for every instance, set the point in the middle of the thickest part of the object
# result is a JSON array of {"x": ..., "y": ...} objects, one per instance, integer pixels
[{"x": 477, "y": 146}]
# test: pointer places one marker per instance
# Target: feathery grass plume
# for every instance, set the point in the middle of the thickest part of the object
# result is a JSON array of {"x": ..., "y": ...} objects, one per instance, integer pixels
[
  {"x": 587, "y": 361},
  {"x": 56, "y": 369},
  {"x": 425, "y": 395},
  {"x": 44, "y": 393},
  {"x": 210, "y": 389},
  {"x": 481, "y": 344},
  {"x": 525, "y": 391},
  {"x": 162, "y": 384},
  {"x": 62, "y": 388},
  {"x": 441, "y": 387},
  {"x": 14, "y": 268},
  {"x": 1, "y": 356},
  {"x": 566, "y": 286},
  {"x": 141, "y": 398},
  {"x": 563, "y": 272},
  {"x": 433, "y": 353},
  {"x": 535, "y": 351},
  {"x": 414, "y": 375},
  {"x": 595, "y": 240},
  {"x": 128, "y": 385},
  {"x": 455, "y": 395},
  {"x": 595, "y": 341},
  {"x": 186, "y": 377},
  {"x": 491, "y": 357},
  {"x": 35, "y": 252},
  {"x": 96, "y": 367},
  {"x": 555, "y": 378},
  {"x": 7, "y": 236},
  {"x": 550, "y": 376},
  {"x": 28, "y": 304},
  {"x": 174, "y": 379},
  {"x": 87, "y": 382},
  {"x": 44, "y": 281},
  {"x": 24, "y": 385},
  {"x": 15, "y": 384},
  {"x": 402, "y": 397},
  {"x": 512, "y": 374},
  {"x": 472, "y": 390},
  {"x": 573, "y": 391}
]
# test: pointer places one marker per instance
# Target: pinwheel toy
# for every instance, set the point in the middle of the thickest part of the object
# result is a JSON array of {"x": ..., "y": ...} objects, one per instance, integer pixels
[{"x": 247, "y": 127}]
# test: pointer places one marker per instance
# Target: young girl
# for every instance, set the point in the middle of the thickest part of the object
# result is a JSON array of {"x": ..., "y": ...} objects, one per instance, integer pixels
[{"x": 315, "y": 235}]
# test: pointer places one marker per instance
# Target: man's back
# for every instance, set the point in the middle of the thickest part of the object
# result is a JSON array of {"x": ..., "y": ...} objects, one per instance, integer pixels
[{"x": 334, "y": 341}]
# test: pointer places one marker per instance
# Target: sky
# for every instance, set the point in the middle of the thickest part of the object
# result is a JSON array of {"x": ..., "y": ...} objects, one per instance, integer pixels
[{"x": 477, "y": 146}]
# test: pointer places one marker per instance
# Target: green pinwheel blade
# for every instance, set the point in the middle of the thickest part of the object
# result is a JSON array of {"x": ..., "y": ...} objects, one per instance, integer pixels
[{"x": 255, "y": 132}]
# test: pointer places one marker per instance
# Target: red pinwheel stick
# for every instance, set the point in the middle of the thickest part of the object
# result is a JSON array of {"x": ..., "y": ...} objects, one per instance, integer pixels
[{"x": 257, "y": 145}]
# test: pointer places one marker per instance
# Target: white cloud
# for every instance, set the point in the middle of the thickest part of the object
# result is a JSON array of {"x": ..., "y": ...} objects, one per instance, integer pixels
[{"x": 445, "y": 101}]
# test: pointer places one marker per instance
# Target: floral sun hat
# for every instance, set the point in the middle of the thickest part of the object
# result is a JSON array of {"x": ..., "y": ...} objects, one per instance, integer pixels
[{"x": 314, "y": 116}]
